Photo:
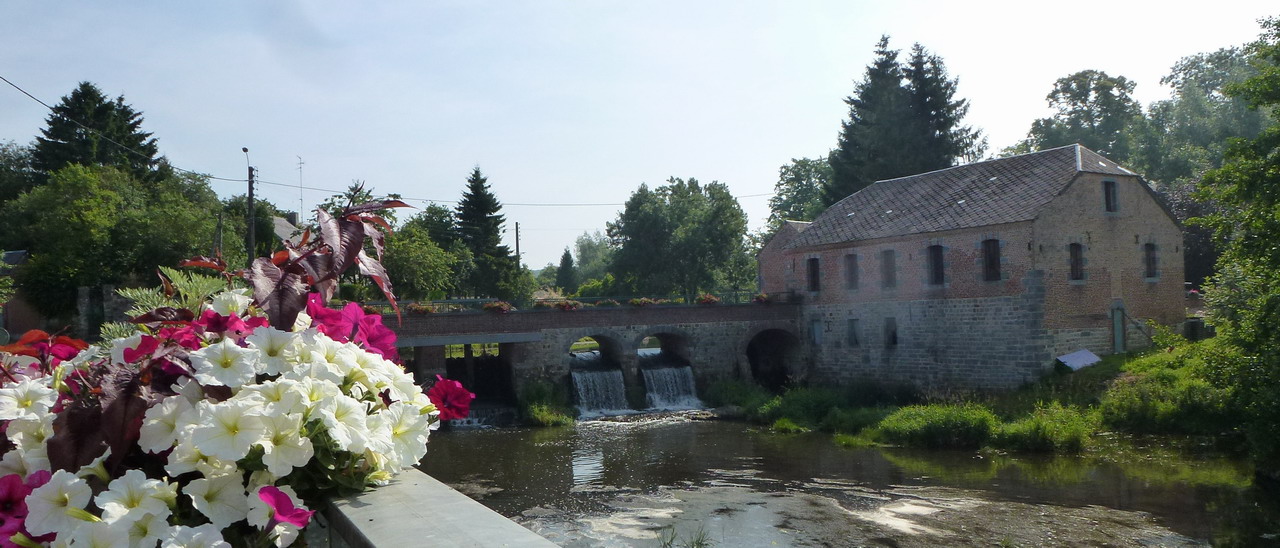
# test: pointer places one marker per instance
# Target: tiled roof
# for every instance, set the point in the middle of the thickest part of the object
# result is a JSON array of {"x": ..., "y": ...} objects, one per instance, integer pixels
[{"x": 998, "y": 191}]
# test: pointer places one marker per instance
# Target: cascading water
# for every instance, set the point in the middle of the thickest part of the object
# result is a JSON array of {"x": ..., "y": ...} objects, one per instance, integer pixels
[
  {"x": 671, "y": 388},
  {"x": 668, "y": 382},
  {"x": 599, "y": 391}
]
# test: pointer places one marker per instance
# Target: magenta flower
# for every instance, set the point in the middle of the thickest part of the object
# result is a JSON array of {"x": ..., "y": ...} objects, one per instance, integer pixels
[
  {"x": 337, "y": 325},
  {"x": 144, "y": 349},
  {"x": 453, "y": 401},
  {"x": 13, "y": 501},
  {"x": 283, "y": 509},
  {"x": 227, "y": 326},
  {"x": 377, "y": 338}
]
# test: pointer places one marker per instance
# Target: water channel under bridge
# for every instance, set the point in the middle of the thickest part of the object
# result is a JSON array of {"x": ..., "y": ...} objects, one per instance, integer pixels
[{"x": 747, "y": 341}]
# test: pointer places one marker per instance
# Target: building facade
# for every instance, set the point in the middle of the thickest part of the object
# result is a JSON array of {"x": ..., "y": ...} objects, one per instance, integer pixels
[{"x": 977, "y": 276}]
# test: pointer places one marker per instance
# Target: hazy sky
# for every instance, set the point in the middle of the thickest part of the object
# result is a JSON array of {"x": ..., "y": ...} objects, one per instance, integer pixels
[{"x": 557, "y": 102}]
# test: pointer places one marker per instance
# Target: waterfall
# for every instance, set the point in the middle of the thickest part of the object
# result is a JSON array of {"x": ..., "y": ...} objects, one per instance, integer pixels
[
  {"x": 600, "y": 392},
  {"x": 671, "y": 388}
]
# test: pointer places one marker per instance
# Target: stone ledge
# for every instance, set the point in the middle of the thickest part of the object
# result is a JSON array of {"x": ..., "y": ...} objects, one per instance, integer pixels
[{"x": 417, "y": 510}]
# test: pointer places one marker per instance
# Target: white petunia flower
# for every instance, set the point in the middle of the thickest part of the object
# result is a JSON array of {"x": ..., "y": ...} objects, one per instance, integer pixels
[
  {"x": 204, "y": 536},
  {"x": 278, "y": 397},
  {"x": 280, "y": 349},
  {"x": 228, "y": 430},
  {"x": 225, "y": 363},
  {"x": 52, "y": 507},
  {"x": 318, "y": 391},
  {"x": 118, "y": 346},
  {"x": 302, "y": 323},
  {"x": 160, "y": 423},
  {"x": 12, "y": 463},
  {"x": 36, "y": 458},
  {"x": 148, "y": 530},
  {"x": 30, "y": 433},
  {"x": 345, "y": 418},
  {"x": 186, "y": 457},
  {"x": 231, "y": 301},
  {"x": 285, "y": 448},
  {"x": 97, "y": 535},
  {"x": 408, "y": 433},
  {"x": 130, "y": 497},
  {"x": 27, "y": 399},
  {"x": 221, "y": 498}
]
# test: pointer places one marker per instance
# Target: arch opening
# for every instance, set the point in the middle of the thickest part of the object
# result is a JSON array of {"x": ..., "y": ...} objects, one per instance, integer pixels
[
  {"x": 483, "y": 369},
  {"x": 667, "y": 373},
  {"x": 773, "y": 355},
  {"x": 595, "y": 376}
]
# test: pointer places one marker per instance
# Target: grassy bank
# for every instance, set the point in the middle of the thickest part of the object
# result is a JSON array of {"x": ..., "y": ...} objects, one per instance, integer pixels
[{"x": 1168, "y": 391}]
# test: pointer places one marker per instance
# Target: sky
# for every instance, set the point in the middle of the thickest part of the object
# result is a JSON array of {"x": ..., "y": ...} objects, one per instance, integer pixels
[{"x": 557, "y": 102}]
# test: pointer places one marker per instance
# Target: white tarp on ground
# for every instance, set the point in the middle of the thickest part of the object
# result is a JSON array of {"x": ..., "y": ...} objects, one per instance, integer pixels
[{"x": 1079, "y": 359}]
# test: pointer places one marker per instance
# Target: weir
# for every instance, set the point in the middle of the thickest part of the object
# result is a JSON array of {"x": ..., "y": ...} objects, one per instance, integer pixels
[
  {"x": 671, "y": 388},
  {"x": 600, "y": 392}
]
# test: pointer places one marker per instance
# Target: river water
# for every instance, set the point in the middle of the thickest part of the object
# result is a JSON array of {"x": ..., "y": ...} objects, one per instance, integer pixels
[{"x": 631, "y": 484}]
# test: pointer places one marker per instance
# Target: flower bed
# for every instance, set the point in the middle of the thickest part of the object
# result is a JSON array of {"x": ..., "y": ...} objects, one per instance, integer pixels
[{"x": 218, "y": 424}]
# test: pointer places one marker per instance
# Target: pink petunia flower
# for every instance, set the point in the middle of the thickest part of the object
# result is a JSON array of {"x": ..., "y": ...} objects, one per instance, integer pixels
[
  {"x": 333, "y": 323},
  {"x": 449, "y": 396},
  {"x": 282, "y": 508}
]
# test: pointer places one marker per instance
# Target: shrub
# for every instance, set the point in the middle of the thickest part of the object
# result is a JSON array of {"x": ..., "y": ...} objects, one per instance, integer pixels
[
  {"x": 707, "y": 299},
  {"x": 545, "y": 404},
  {"x": 965, "y": 426},
  {"x": 498, "y": 307},
  {"x": 787, "y": 426},
  {"x": 849, "y": 441},
  {"x": 420, "y": 308},
  {"x": 808, "y": 406},
  {"x": 542, "y": 305},
  {"x": 542, "y": 414},
  {"x": 762, "y": 298},
  {"x": 1050, "y": 428},
  {"x": 744, "y": 394},
  {"x": 641, "y": 302},
  {"x": 607, "y": 303},
  {"x": 852, "y": 421},
  {"x": 768, "y": 411},
  {"x": 1175, "y": 392},
  {"x": 568, "y": 305}
]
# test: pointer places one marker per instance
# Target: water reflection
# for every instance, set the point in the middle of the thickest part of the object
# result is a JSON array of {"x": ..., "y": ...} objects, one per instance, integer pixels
[{"x": 581, "y": 469}]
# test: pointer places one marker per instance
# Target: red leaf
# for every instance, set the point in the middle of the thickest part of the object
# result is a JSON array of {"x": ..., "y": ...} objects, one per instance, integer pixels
[
  {"x": 166, "y": 283},
  {"x": 375, "y": 271},
  {"x": 215, "y": 263}
]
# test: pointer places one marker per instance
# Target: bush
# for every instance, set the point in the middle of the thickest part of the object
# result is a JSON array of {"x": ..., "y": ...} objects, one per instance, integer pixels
[
  {"x": 1175, "y": 392},
  {"x": 542, "y": 305},
  {"x": 568, "y": 305},
  {"x": 708, "y": 299},
  {"x": 787, "y": 426},
  {"x": 744, "y": 394},
  {"x": 965, "y": 426},
  {"x": 849, "y": 441},
  {"x": 808, "y": 406},
  {"x": 498, "y": 307},
  {"x": 762, "y": 298},
  {"x": 420, "y": 308},
  {"x": 541, "y": 414},
  {"x": 1049, "y": 429},
  {"x": 852, "y": 421},
  {"x": 607, "y": 303}
]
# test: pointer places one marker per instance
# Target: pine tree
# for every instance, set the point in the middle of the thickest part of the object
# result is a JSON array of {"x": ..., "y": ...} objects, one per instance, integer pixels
[
  {"x": 480, "y": 228},
  {"x": 942, "y": 138},
  {"x": 875, "y": 135},
  {"x": 116, "y": 138},
  {"x": 566, "y": 274}
]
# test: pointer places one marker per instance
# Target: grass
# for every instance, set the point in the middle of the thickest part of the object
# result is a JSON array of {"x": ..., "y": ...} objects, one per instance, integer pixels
[
  {"x": 1051, "y": 428},
  {"x": 545, "y": 404},
  {"x": 965, "y": 426}
]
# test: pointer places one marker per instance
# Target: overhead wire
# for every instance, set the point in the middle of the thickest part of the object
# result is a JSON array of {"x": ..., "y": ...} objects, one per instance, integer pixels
[{"x": 298, "y": 186}]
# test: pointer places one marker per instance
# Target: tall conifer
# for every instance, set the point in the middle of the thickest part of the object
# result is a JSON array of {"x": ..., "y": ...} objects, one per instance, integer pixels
[{"x": 116, "y": 138}]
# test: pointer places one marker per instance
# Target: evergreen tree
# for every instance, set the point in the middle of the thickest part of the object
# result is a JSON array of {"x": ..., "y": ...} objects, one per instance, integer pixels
[
  {"x": 114, "y": 138},
  {"x": 566, "y": 274},
  {"x": 943, "y": 139},
  {"x": 903, "y": 120},
  {"x": 479, "y": 226}
]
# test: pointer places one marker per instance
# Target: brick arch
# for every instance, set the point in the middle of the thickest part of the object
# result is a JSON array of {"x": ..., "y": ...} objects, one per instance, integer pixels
[
  {"x": 674, "y": 340},
  {"x": 779, "y": 363},
  {"x": 615, "y": 345}
]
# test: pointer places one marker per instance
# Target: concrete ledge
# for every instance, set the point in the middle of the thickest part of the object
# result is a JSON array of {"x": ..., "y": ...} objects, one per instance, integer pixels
[{"x": 417, "y": 510}]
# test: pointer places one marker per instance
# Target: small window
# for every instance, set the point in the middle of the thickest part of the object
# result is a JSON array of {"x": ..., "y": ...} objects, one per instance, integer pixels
[
  {"x": 815, "y": 331},
  {"x": 851, "y": 331},
  {"x": 937, "y": 276},
  {"x": 890, "y": 333},
  {"x": 888, "y": 269},
  {"x": 1149, "y": 260},
  {"x": 815, "y": 279},
  {"x": 1110, "y": 196},
  {"x": 850, "y": 271},
  {"x": 1077, "y": 261},
  {"x": 991, "y": 260}
]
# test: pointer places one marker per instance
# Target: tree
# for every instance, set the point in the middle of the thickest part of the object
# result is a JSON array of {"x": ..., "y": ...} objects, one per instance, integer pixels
[
  {"x": 797, "y": 196},
  {"x": 479, "y": 226},
  {"x": 676, "y": 239},
  {"x": 418, "y": 267},
  {"x": 16, "y": 173},
  {"x": 231, "y": 235},
  {"x": 594, "y": 256},
  {"x": 1094, "y": 109},
  {"x": 903, "y": 120},
  {"x": 546, "y": 277},
  {"x": 1248, "y": 185},
  {"x": 566, "y": 274},
  {"x": 113, "y": 137},
  {"x": 357, "y": 194}
]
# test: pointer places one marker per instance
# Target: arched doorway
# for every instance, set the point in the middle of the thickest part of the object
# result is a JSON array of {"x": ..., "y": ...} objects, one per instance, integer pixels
[{"x": 773, "y": 355}]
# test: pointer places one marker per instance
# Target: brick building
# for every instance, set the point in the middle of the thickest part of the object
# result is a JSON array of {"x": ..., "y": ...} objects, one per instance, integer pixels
[{"x": 979, "y": 275}]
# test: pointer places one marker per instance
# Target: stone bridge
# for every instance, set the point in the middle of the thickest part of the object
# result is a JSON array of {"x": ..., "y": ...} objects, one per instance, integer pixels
[{"x": 759, "y": 341}]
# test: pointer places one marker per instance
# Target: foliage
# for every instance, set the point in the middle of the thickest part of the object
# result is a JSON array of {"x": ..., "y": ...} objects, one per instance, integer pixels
[
  {"x": 641, "y": 302},
  {"x": 707, "y": 299},
  {"x": 599, "y": 288},
  {"x": 744, "y": 394},
  {"x": 1248, "y": 186},
  {"x": 607, "y": 303},
  {"x": 677, "y": 238},
  {"x": 762, "y": 298},
  {"x": 567, "y": 305},
  {"x": 593, "y": 254},
  {"x": 1174, "y": 392},
  {"x": 1092, "y": 108},
  {"x": 356, "y": 195},
  {"x": 92, "y": 226},
  {"x": 853, "y": 421},
  {"x": 797, "y": 196},
  {"x": 479, "y": 226},
  {"x": 566, "y": 273},
  {"x": 231, "y": 238},
  {"x": 114, "y": 138},
  {"x": 903, "y": 119},
  {"x": 966, "y": 426},
  {"x": 1050, "y": 428},
  {"x": 541, "y": 414},
  {"x": 419, "y": 267},
  {"x": 17, "y": 175},
  {"x": 787, "y": 426},
  {"x": 179, "y": 289}
]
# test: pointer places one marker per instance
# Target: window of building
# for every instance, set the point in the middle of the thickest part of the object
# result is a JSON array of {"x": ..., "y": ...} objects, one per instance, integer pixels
[
  {"x": 851, "y": 331},
  {"x": 991, "y": 260},
  {"x": 815, "y": 331},
  {"x": 888, "y": 269},
  {"x": 890, "y": 333},
  {"x": 851, "y": 271},
  {"x": 1077, "y": 261},
  {"x": 815, "y": 277},
  {"x": 936, "y": 273},
  {"x": 1110, "y": 196},
  {"x": 1149, "y": 260}
]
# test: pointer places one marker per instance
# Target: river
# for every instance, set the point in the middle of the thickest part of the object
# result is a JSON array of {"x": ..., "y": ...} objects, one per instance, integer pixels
[{"x": 634, "y": 483}]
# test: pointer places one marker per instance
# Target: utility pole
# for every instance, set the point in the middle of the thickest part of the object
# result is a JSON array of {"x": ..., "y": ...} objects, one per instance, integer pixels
[
  {"x": 300, "y": 162},
  {"x": 252, "y": 244},
  {"x": 517, "y": 243}
]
